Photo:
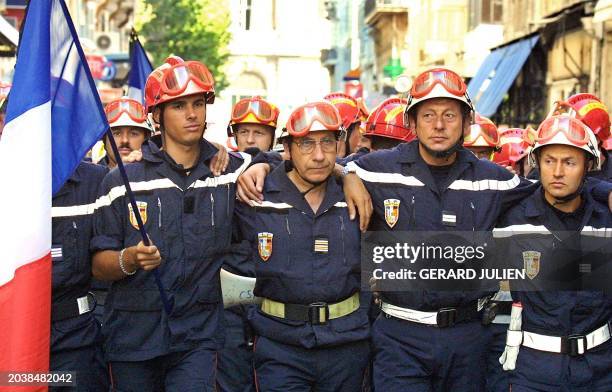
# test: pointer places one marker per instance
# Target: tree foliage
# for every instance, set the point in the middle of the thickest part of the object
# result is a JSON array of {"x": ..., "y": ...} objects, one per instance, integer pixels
[{"x": 191, "y": 29}]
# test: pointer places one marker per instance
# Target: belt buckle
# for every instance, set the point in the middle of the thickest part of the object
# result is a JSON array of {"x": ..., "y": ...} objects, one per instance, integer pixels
[
  {"x": 314, "y": 313},
  {"x": 573, "y": 347},
  {"x": 446, "y": 317}
]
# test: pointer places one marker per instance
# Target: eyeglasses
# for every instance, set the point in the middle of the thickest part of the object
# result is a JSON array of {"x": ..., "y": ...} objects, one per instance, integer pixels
[
  {"x": 177, "y": 77},
  {"x": 261, "y": 109},
  {"x": 307, "y": 146},
  {"x": 426, "y": 81},
  {"x": 574, "y": 130},
  {"x": 132, "y": 108},
  {"x": 302, "y": 118},
  {"x": 487, "y": 131}
]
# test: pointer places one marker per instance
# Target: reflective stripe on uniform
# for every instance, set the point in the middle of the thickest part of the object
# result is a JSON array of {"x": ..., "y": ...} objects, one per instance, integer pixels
[
  {"x": 166, "y": 183},
  {"x": 508, "y": 231},
  {"x": 485, "y": 185},
  {"x": 386, "y": 178}
]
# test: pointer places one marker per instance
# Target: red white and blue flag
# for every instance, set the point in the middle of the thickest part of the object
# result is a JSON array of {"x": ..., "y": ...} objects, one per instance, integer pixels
[{"x": 54, "y": 116}]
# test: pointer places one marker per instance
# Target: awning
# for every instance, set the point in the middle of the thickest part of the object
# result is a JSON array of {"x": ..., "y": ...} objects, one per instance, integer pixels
[
  {"x": 9, "y": 38},
  {"x": 603, "y": 11},
  {"x": 497, "y": 73}
]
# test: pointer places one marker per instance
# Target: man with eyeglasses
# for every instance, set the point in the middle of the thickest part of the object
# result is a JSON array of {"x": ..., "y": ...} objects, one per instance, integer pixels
[{"x": 312, "y": 327}]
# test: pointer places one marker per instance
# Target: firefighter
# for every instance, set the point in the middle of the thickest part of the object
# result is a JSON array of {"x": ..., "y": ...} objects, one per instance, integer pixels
[
  {"x": 559, "y": 336},
  {"x": 312, "y": 327},
  {"x": 253, "y": 127},
  {"x": 153, "y": 344},
  {"x": 483, "y": 138}
]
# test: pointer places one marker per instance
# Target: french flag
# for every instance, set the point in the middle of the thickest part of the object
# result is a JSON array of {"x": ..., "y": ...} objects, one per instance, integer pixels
[
  {"x": 140, "y": 69},
  {"x": 54, "y": 116}
]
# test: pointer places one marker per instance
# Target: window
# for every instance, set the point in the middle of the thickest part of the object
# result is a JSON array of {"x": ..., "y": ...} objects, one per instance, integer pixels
[
  {"x": 245, "y": 14},
  {"x": 485, "y": 12}
]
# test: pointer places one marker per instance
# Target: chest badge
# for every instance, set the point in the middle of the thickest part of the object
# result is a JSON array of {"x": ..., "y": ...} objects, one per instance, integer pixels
[
  {"x": 142, "y": 209},
  {"x": 391, "y": 211},
  {"x": 531, "y": 263},
  {"x": 264, "y": 245}
]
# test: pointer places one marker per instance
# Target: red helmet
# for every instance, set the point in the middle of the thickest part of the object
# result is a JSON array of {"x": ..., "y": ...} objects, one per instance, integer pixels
[
  {"x": 347, "y": 106},
  {"x": 591, "y": 111},
  {"x": 514, "y": 145},
  {"x": 387, "y": 120},
  {"x": 587, "y": 108},
  {"x": 311, "y": 117},
  {"x": 483, "y": 133},
  {"x": 364, "y": 112},
  {"x": 177, "y": 78}
]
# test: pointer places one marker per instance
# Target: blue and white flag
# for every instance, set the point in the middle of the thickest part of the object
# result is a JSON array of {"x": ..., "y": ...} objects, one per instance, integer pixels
[{"x": 140, "y": 68}]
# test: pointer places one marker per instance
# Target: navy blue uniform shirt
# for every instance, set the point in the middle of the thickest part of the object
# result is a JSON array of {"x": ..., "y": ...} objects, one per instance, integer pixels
[
  {"x": 313, "y": 257},
  {"x": 188, "y": 216},
  {"x": 72, "y": 229},
  {"x": 476, "y": 192}
]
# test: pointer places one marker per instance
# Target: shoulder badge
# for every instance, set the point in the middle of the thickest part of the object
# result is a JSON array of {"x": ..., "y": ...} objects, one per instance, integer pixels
[
  {"x": 142, "y": 209},
  {"x": 264, "y": 245},
  {"x": 531, "y": 263},
  {"x": 391, "y": 211}
]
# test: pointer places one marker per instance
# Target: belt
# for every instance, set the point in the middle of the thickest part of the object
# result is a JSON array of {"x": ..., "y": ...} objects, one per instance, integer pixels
[
  {"x": 73, "y": 307},
  {"x": 572, "y": 345},
  {"x": 445, "y": 317},
  {"x": 315, "y": 313}
]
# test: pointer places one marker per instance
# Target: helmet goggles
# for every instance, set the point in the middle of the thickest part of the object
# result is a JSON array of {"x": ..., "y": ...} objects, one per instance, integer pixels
[
  {"x": 486, "y": 131},
  {"x": 132, "y": 108},
  {"x": 177, "y": 77},
  {"x": 574, "y": 130},
  {"x": 302, "y": 119},
  {"x": 426, "y": 81},
  {"x": 256, "y": 106}
]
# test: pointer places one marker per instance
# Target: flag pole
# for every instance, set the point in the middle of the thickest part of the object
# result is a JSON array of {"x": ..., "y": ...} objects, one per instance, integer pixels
[{"x": 168, "y": 305}]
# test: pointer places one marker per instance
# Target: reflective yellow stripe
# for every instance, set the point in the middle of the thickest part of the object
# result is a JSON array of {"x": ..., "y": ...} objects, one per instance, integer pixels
[{"x": 337, "y": 310}]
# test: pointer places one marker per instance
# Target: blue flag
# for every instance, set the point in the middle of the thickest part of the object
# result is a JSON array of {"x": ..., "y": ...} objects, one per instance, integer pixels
[
  {"x": 51, "y": 68},
  {"x": 140, "y": 68}
]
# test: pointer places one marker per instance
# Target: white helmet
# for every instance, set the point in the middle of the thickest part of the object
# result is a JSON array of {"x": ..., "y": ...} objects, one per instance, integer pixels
[
  {"x": 438, "y": 83},
  {"x": 566, "y": 130},
  {"x": 127, "y": 112}
]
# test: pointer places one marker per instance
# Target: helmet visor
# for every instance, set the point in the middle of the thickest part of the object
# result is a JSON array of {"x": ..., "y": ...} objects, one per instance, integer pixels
[
  {"x": 132, "y": 108},
  {"x": 426, "y": 81},
  {"x": 302, "y": 118}
]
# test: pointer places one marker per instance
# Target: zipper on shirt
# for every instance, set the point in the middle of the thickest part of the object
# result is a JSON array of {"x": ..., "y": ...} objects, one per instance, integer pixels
[
  {"x": 342, "y": 237},
  {"x": 473, "y": 216},
  {"x": 413, "y": 212},
  {"x": 212, "y": 209},
  {"x": 227, "y": 202},
  {"x": 74, "y": 225},
  {"x": 159, "y": 209},
  {"x": 287, "y": 224}
]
